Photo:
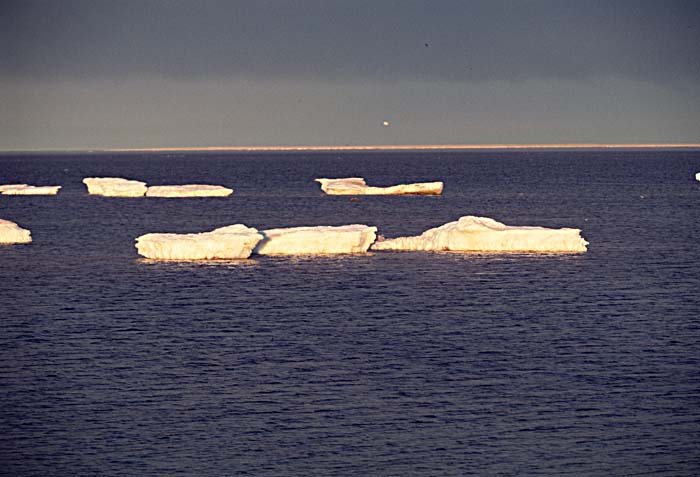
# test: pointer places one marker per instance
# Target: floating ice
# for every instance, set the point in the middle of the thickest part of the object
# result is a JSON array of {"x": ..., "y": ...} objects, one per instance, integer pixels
[
  {"x": 317, "y": 240},
  {"x": 188, "y": 190},
  {"x": 114, "y": 187},
  {"x": 25, "y": 189},
  {"x": 472, "y": 233},
  {"x": 357, "y": 186},
  {"x": 5, "y": 187},
  {"x": 697, "y": 176},
  {"x": 231, "y": 242},
  {"x": 10, "y": 232}
]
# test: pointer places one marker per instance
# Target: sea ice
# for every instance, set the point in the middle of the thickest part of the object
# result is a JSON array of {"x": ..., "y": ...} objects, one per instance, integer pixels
[
  {"x": 231, "y": 242},
  {"x": 5, "y": 187},
  {"x": 10, "y": 232},
  {"x": 483, "y": 234},
  {"x": 25, "y": 189},
  {"x": 357, "y": 186},
  {"x": 697, "y": 176},
  {"x": 114, "y": 187},
  {"x": 317, "y": 240},
  {"x": 188, "y": 190}
]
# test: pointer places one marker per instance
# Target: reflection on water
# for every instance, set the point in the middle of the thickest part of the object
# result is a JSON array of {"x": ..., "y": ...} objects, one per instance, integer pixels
[{"x": 190, "y": 264}]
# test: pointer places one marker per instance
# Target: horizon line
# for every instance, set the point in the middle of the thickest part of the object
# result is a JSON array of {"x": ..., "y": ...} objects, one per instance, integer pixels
[{"x": 375, "y": 147}]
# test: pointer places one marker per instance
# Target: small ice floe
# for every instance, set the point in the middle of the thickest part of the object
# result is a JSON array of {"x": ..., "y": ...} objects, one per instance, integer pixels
[
  {"x": 10, "y": 233},
  {"x": 697, "y": 176},
  {"x": 343, "y": 239},
  {"x": 188, "y": 190},
  {"x": 482, "y": 234},
  {"x": 357, "y": 186},
  {"x": 231, "y": 242},
  {"x": 114, "y": 187},
  {"x": 26, "y": 189}
]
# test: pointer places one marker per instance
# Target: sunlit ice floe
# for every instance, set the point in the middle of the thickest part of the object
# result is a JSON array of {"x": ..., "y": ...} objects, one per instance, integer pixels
[
  {"x": 10, "y": 233},
  {"x": 188, "y": 190},
  {"x": 115, "y": 187},
  {"x": 358, "y": 186},
  {"x": 697, "y": 176},
  {"x": 26, "y": 189},
  {"x": 482, "y": 234},
  {"x": 231, "y": 242},
  {"x": 319, "y": 240}
]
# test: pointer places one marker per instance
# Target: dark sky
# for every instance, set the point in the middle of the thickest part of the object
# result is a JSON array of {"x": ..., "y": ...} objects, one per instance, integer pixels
[{"x": 92, "y": 74}]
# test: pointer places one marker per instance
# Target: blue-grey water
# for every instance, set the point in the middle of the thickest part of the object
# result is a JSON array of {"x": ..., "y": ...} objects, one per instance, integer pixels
[{"x": 380, "y": 364}]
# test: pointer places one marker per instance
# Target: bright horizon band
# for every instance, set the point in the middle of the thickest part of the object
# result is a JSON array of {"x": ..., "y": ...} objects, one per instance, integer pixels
[{"x": 399, "y": 147}]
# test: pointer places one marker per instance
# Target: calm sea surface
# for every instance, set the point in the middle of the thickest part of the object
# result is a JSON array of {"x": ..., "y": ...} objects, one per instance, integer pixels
[{"x": 381, "y": 364}]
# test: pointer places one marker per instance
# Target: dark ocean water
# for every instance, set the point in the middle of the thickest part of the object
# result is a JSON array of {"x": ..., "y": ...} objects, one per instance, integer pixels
[{"x": 379, "y": 364}]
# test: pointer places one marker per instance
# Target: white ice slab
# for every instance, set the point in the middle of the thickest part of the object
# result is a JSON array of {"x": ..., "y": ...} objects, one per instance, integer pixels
[
  {"x": 317, "y": 240},
  {"x": 231, "y": 242},
  {"x": 10, "y": 232},
  {"x": 114, "y": 187},
  {"x": 697, "y": 176},
  {"x": 5, "y": 187},
  {"x": 25, "y": 189},
  {"x": 188, "y": 190},
  {"x": 357, "y": 186},
  {"x": 482, "y": 234}
]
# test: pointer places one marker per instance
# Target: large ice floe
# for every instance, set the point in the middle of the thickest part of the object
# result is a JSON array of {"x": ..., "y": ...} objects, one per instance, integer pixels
[
  {"x": 320, "y": 240},
  {"x": 115, "y": 187},
  {"x": 10, "y": 232},
  {"x": 25, "y": 189},
  {"x": 231, "y": 242},
  {"x": 357, "y": 186},
  {"x": 482, "y": 234},
  {"x": 188, "y": 190}
]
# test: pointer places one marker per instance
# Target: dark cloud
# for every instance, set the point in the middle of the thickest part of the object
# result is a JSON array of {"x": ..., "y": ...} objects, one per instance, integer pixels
[{"x": 389, "y": 40}]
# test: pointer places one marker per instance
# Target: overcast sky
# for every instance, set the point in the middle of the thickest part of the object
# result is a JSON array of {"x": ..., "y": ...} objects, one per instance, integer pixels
[{"x": 99, "y": 74}]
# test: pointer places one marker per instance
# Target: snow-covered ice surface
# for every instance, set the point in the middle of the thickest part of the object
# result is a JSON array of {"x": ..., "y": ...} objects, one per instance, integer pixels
[
  {"x": 231, "y": 242},
  {"x": 5, "y": 187},
  {"x": 354, "y": 238},
  {"x": 482, "y": 234},
  {"x": 115, "y": 187},
  {"x": 357, "y": 186},
  {"x": 10, "y": 232},
  {"x": 188, "y": 190},
  {"x": 25, "y": 189}
]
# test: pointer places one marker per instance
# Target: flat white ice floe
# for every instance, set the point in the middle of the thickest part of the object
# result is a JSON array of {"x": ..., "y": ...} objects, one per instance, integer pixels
[
  {"x": 231, "y": 242},
  {"x": 5, "y": 187},
  {"x": 482, "y": 234},
  {"x": 357, "y": 186},
  {"x": 10, "y": 232},
  {"x": 354, "y": 238},
  {"x": 114, "y": 187},
  {"x": 25, "y": 189},
  {"x": 188, "y": 190}
]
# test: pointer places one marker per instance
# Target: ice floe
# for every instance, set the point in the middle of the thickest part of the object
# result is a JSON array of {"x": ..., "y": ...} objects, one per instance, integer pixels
[
  {"x": 114, "y": 187},
  {"x": 188, "y": 190},
  {"x": 357, "y": 186},
  {"x": 26, "y": 189},
  {"x": 482, "y": 234},
  {"x": 10, "y": 232},
  {"x": 231, "y": 242},
  {"x": 5, "y": 187},
  {"x": 354, "y": 238},
  {"x": 697, "y": 176}
]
